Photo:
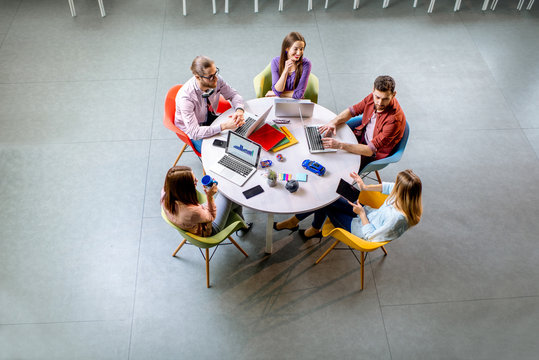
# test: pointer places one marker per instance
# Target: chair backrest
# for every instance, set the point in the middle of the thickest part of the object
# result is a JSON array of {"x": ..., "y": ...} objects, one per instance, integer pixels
[
  {"x": 168, "y": 118},
  {"x": 394, "y": 157},
  {"x": 262, "y": 84}
]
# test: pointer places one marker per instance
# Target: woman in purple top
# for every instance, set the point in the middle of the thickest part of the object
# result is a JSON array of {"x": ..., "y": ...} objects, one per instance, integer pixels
[{"x": 290, "y": 71}]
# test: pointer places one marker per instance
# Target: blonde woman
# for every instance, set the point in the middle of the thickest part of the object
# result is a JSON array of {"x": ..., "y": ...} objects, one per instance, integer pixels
[{"x": 401, "y": 210}]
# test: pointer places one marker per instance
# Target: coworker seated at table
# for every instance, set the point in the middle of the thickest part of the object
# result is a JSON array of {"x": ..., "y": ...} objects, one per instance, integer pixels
[
  {"x": 197, "y": 101},
  {"x": 180, "y": 203},
  {"x": 401, "y": 210},
  {"x": 381, "y": 128},
  {"x": 290, "y": 71}
]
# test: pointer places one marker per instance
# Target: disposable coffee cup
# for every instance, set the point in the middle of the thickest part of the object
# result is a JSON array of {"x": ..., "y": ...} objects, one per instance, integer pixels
[{"x": 207, "y": 181}]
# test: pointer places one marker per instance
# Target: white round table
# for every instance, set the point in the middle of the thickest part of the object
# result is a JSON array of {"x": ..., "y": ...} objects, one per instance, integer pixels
[{"x": 315, "y": 193}]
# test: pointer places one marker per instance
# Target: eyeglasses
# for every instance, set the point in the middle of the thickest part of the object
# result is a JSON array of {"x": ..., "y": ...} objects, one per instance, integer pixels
[{"x": 211, "y": 77}]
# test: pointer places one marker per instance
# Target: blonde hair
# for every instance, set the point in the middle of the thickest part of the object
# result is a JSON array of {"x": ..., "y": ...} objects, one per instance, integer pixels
[{"x": 406, "y": 196}]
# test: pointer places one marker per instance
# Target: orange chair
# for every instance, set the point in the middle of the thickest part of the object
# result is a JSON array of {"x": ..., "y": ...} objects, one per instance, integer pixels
[{"x": 168, "y": 118}]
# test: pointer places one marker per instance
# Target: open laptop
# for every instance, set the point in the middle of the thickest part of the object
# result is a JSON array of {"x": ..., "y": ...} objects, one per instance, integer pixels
[
  {"x": 314, "y": 139},
  {"x": 293, "y": 108},
  {"x": 252, "y": 122},
  {"x": 240, "y": 160}
]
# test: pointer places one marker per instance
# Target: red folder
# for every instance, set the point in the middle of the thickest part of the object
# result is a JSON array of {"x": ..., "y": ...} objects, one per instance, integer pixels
[{"x": 267, "y": 136}]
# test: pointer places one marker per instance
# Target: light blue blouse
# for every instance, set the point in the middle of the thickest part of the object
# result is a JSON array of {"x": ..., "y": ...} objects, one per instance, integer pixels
[{"x": 385, "y": 223}]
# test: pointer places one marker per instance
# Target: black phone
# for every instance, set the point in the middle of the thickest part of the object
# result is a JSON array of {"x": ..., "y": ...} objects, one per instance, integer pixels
[
  {"x": 253, "y": 191},
  {"x": 219, "y": 143},
  {"x": 348, "y": 191}
]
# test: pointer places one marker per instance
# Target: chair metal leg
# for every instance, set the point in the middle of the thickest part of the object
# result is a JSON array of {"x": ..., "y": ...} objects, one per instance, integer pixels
[
  {"x": 208, "y": 268},
  {"x": 378, "y": 176},
  {"x": 519, "y": 6},
  {"x": 327, "y": 252},
  {"x": 431, "y": 6},
  {"x": 384, "y": 249},
  {"x": 326, "y": 4},
  {"x": 415, "y": 3},
  {"x": 101, "y": 8},
  {"x": 179, "y": 247},
  {"x": 238, "y": 246},
  {"x": 256, "y": 6},
  {"x": 530, "y": 4},
  {"x": 214, "y": 8},
  {"x": 457, "y": 5},
  {"x": 180, "y": 154},
  {"x": 281, "y": 6},
  {"x": 72, "y": 8},
  {"x": 485, "y": 5},
  {"x": 362, "y": 257},
  {"x": 495, "y": 2},
  {"x": 309, "y": 5},
  {"x": 184, "y": 8},
  {"x": 226, "y": 6}
]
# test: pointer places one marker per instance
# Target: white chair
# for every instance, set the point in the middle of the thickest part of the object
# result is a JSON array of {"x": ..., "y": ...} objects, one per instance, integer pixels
[
  {"x": 226, "y": 6},
  {"x": 431, "y": 5},
  {"x": 386, "y": 3},
  {"x": 74, "y": 13},
  {"x": 355, "y": 6},
  {"x": 212, "y": 2}
]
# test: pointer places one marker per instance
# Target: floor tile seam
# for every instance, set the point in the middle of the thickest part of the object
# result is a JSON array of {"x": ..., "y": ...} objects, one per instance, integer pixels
[
  {"x": 462, "y": 301},
  {"x": 76, "y": 81},
  {"x": 74, "y": 142},
  {"x": 62, "y": 322},
  {"x": 146, "y": 184},
  {"x": 326, "y": 63},
  {"x": 381, "y": 309},
  {"x": 10, "y": 24}
]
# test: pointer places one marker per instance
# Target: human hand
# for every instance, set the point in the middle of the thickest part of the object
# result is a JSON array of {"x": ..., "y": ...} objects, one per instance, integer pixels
[
  {"x": 357, "y": 207},
  {"x": 210, "y": 192},
  {"x": 289, "y": 64},
  {"x": 238, "y": 118},
  {"x": 331, "y": 143},
  {"x": 358, "y": 180},
  {"x": 229, "y": 124},
  {"x": 327, "y": 130}
]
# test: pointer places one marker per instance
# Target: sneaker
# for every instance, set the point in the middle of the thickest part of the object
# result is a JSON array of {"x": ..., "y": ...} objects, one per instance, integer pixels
[{"x": 243, "y": 231}]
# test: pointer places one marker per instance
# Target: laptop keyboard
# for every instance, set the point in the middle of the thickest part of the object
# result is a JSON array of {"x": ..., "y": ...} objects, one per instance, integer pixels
[
  {"x": 314, "y": 138},
  {"x": 235, "y": 165},
  {"x": 242, "y": 130}
]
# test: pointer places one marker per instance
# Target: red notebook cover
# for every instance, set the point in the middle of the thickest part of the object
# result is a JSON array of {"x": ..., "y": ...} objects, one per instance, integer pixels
[{"x": 267, "y": 136}]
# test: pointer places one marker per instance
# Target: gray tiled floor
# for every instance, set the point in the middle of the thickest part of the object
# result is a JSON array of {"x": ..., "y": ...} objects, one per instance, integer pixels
[{"x": 85, "y": 260}]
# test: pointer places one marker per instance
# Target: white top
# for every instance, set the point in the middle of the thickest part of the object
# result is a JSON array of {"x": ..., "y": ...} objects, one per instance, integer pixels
[{"x": 317, "y": 192}]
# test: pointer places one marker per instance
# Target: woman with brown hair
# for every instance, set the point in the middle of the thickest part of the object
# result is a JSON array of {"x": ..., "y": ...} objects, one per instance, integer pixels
[
  {"x": 290, "y": 71},
  {"x": 401, "y": 210},
  {"x": 181, "y": 206}
]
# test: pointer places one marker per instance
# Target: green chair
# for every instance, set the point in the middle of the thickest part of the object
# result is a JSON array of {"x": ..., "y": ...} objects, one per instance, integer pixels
[
  {"x": 262, "y": 84},
  {"x": 233, "y": 223}
]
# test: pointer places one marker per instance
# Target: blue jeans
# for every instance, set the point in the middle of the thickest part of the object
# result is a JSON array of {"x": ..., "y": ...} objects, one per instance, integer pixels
[
  {"x": 353, "y": 123},
  {"x": 339, "y": 212}
]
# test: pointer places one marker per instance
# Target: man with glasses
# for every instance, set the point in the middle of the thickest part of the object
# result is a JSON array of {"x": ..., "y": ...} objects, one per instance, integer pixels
[{"x": 197, "y": 101}]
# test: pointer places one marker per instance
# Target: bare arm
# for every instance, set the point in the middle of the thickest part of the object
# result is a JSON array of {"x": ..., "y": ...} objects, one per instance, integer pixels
[{"x": 362, "y": 186}]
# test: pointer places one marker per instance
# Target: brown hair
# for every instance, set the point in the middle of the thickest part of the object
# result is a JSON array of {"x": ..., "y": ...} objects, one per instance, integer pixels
[
  {"x": 384, "y": 83},
  {"x": 288, "y": 41},
  {"x": 406, "y": 196},
  {"x": 179, "y": 186},
  {"x": 199, "y": 64}
]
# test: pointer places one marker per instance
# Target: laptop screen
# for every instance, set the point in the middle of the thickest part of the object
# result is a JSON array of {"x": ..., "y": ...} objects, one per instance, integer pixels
[{"x": 243, "y": 148}]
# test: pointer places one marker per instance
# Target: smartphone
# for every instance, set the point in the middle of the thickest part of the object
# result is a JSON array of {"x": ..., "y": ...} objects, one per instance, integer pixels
[
  {"x": 347, "y": 191},
  {"x": 253, "y": 191},
  {"x": 219, "y": 143}
]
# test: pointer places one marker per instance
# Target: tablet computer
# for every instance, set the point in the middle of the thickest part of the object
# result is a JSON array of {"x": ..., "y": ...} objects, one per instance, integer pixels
[{"x": 347, "y": 191}]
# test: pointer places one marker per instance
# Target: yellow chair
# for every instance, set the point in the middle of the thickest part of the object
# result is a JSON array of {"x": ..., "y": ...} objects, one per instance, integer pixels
[
  {"x": 373, "y": 199},
  {"x": 262, "y": 84},
  {"x": 233, "y": 223}
]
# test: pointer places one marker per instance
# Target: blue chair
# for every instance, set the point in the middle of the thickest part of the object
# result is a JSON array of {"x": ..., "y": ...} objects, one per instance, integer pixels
[{"x": 394, "y": 157}]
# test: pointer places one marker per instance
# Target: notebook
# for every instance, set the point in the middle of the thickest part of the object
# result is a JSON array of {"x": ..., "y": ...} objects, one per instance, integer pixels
[
  {"x": 240, "y": 160},
  {"x": 291, "y": 140},
  {"x": 267, "y": 136},
  {"x": 252, "y": 122},
  {"x": 293, "y": 108}
]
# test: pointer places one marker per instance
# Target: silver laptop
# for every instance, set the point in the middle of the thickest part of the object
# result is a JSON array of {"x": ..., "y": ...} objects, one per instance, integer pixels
[
  {"x": 293, "y": 108},
  {"x": 314, "y": 139},
  {"x": 252, "y": 122},
  {"x": 240, "y": 160}
]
